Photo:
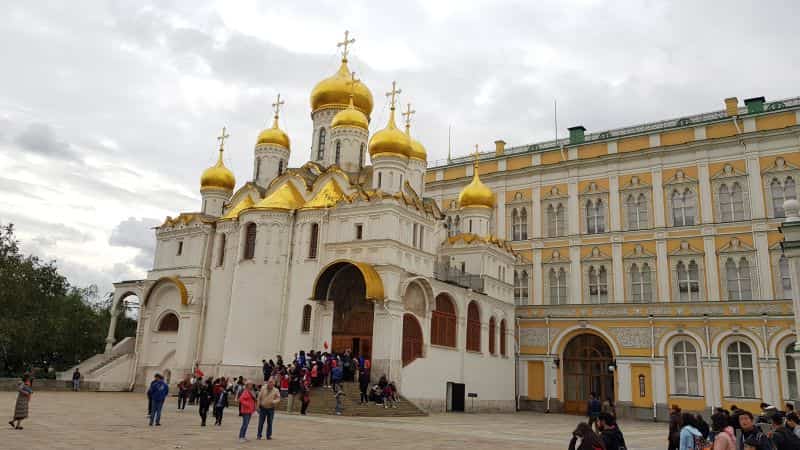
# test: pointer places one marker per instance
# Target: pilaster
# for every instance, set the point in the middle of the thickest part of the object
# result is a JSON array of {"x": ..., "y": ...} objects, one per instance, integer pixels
[
  {"x": 537, "y": 293},
  {"x": 662, "y": 264},
  {"x": 764, "y": 268},
  {"x": 769, "y": 380},
  {"x": 711, "y": 382},
  {"x": 658, "y": 198},
  {"x": 573, "y": 215},
  {"x": 613, "y": 202},
  {"x": 574, "y": 293},
  {"x": 616, "y": 261},
  {"x": 536, "y": 212},
  {"x": 706, "y": 205},
  {"x": 757, "y": 207},
  {"x": 712, "y": 268}
]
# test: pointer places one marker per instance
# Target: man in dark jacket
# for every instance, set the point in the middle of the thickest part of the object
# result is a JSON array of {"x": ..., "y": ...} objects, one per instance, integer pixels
[
  {"x": 750, "y": 432},
  {"x": 593, "y": 408},
  {"x": 610, "y": 432},
  {"x": 782, "y": 437},
  {"x": 157, "y": 393}
]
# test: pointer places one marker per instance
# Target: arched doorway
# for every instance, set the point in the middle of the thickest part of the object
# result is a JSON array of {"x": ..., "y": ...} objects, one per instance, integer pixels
[
  {"x": 412, "y": 339},
  {"x": 585, "y": 363}
]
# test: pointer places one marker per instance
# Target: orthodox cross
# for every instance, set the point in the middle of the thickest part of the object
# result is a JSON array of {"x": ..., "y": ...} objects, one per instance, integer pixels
[
  {"x": 407, "y": 114},
  {"x": 393, "y": 93},
  {"x": 345, "y": 44},
  {"x": 277, "y": 105},
  {"x": 221, "y": 138},
  {"x": 475, "y": 157},
  {"x": 352, "y": 83}
]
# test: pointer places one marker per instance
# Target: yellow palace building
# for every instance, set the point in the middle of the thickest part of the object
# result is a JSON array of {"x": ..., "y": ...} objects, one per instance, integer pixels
[{"x": 649, "y": 263}]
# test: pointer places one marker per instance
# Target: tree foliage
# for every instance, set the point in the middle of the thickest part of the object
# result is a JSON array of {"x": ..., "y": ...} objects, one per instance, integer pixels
[{"x": 45, "y": 321}]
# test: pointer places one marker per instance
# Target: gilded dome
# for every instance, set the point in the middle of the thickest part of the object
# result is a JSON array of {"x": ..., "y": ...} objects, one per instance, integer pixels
[
  {"x": 335, "y": 91},
  {"x": 390, "y": 141},
  {"x": 476, "y": 193},
  {"x": 274, "y": 136},
  {"x": 417, "y": 149},
  {"x": 218, "y": 177},
  {"x": 350, "y": 117}
]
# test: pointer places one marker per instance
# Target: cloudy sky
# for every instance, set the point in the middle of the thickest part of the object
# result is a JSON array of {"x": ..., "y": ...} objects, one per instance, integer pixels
[{"x": 109, "y": 110}]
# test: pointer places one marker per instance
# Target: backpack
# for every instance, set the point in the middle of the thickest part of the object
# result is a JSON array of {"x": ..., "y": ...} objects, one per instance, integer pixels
[{"x": 701, "y": 443}]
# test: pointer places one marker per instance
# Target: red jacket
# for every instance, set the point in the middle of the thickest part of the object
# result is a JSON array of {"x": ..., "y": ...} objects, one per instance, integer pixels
[{"x": 247, "y": 404}]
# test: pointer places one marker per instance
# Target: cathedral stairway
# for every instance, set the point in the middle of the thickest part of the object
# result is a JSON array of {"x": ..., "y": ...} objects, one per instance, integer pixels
[{"x": 323, "y": 401}]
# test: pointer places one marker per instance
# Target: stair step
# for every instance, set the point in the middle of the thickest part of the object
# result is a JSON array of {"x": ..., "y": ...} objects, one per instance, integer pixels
[{"x": 323, "y": 401}]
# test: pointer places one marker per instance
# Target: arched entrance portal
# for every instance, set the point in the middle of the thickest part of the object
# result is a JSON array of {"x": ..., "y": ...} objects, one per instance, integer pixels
[
  {"x": 352, "y": 287},
  {"x": 586, "y": 360}
]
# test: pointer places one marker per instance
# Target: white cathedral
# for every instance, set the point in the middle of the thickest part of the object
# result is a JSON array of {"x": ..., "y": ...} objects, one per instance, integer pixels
[{"x": 333, "y": 255}]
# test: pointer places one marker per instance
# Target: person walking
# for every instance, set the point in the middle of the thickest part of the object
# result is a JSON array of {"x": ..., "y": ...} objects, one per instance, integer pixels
[
  {"x": 150, "y": 398},
  {"x": 305, "y": 392},
  {"x": 24, "y": 392},
  {"x": 674, "y": 437},
  {"x": 337, "y": 375},
  {"x": 294, "y": 388},
  {"x": 158, "y": 393},
  {"x": 76, "y": 380},
  {"x": 205, "y": 397},
  {"x": 247, "y": 406},
  {"x": 268, "y": 399},
  {"x": 724, "y": 438},
  {"x": 751, "y": 433},
  {"x": 220, "y": 402},
  {"x": 689, "y": 432},
  {"x": 184, "y": 386},
  {"x": 793, "y": 422},
  {"x": 593, "y": 408},
  {"x": 363, "y": 385},
  {"x": 782, "y": 437},
  {"x": 589, "y": 439},
  {"x": 339, "y": 401},
  {"x": 610, "y": 433}
]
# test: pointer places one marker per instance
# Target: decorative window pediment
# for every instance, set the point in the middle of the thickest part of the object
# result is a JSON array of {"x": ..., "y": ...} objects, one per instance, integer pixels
[
  {"x": 555, "y": 193},
  {"x": 686, "y": 249},
  {"x": 639, "y": 252},
  {"x": 779, "y": 166},
  {"x": 736, "y": 246},
  {"x": 635, "y": 183},
  {"x": 596, "y": 255},
  {"x": 556, "y": 258},
  {"x": 519, "y": 197},
  {"x": 594, "y": 188},
  {"x": 728, "y": 171},
  {"x": 680, "y": 178}
]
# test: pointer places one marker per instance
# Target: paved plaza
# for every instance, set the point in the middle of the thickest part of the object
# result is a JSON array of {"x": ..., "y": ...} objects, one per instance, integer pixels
[{"x": 66, "y": 420}]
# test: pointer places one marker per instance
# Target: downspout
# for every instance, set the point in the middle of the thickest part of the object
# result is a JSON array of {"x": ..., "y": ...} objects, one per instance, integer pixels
[
  {"x": 652, "y": 357},
  {"x": 207, "y": 276},
  {"x": 739, "y": 131},
  {"x": 517, "y": 347},
  {"x": 548, "y": 369},
  {"x": 285, "y": 289}
]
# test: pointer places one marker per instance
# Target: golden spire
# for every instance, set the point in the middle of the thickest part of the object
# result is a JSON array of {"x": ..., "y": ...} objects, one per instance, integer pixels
[
  {"x": 345, "y": 44},
  {"x": 221, "y": 138},
  {"x": 277, "y": 105},
  {"x": 475, "y": 157},
  {"x": 417, "y": 149},
  {"x": 393, "y": 94},
  {"x": 407, "y": 114},
  {"x": 476, "y": 194},
  {"x": 218, "y": 176},
  {"x": 390, "y": 140},
  {"x": 274, "y": 135}
]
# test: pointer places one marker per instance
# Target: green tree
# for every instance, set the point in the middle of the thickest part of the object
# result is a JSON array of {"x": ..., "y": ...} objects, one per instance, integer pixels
[{"x": 44, "y": 321}]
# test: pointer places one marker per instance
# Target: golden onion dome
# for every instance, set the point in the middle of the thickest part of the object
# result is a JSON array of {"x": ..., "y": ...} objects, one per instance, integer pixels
[
  {"x": 335, "y": 91},
  {"x": 476, "y": 193},
  {"x": 390, "y": 141},
  {"x": 218, "y": 177},
  {"x": 350, "y": 117},
  {"x": 417, "y": 149},
  {"x": 274, "y": 136}
]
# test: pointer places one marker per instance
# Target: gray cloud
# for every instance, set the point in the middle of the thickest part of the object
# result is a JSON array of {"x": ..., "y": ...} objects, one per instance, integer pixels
[
  {"x": 138, "y": 234},
  {"x": 40, "y": 138}
]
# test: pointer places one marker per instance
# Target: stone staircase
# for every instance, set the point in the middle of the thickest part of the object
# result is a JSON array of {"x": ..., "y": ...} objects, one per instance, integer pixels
[{"x": 323, "y": 401}]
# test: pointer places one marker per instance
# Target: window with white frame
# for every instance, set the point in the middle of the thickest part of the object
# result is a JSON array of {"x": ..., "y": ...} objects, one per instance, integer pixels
[
  {"x": 683, "y": 207},
  {"x": 741, "y": 371},
  {"x": 557, "y": 280},
  {"x": 321, "y": 145},
  {"x": 688, "y": 277},
  {"x": 556, "y": 220},
  {"x": 686, "y": 370},
  {"x": 519, "y": 224},
  {"x": 738, "y": 280},
  {"x": 781, "y": 189},
  {"x": 595, "y": 216},
  {"x": 786, "y": 279},
  {"x": 791, "y": 372},
  {"x": 641, "y": 283},
  {"x": 731, "y": 202},
  {"x": 338, "y": 153},
  {"x": 636, "y": 208},
  {"x": 521, "y": 287},
  {"x": 598, "y": 284}
]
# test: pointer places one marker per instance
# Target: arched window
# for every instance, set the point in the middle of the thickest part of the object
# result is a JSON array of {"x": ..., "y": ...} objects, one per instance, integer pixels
[
  {"x": 776, "y": 190},
  {"x": 450, "y": 230},
  {"x": 250, "y": 241},
  {"x": 558, "y": 286},
  {"x": 791, "y": 372},
  {"x": 685, "y": 363},
  {"x": 738, "y": 279},
  {"x": 688, "y": 281},
  {"x": 519, "y": 224},
  {"x": 598, "y": 285},
  {"x": 338, "y": 152},
  {"x": 321, "y": 145},
  {"x": 786, "y": 279},
  {"x": 595, "y": 216},
  {"x": 741, "y": 372},
  {"x": 361, "y": 157},
  {"x": 380, "y": 179},
  {"x": 306, "y": 326},
  {"x": 457, "y": 225},
  {"x": 683, "y": 207},
  {"x": 313, "y": 241},
  {"x": 280, "y": 167},
  {"x": 521, "y": 287},
  {"x": 731, "y": 202},
  {"x": 169, "y": 323},
  {"x": 503, "y": 339},
  {"x": 637, "y": 211},
  {"x": 412, "y": 339},
  {"x": 492, "y": 330},
  {"x": 473, "y": 327},
  {"x": 443, "y": 322},
  {"x": 221, "y": 257}
]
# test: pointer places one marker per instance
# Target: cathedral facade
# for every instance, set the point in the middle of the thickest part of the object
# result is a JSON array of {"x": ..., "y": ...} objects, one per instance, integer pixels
[
  {"x": 335, "y": 255},
  {"x": 651, "y": 267}
]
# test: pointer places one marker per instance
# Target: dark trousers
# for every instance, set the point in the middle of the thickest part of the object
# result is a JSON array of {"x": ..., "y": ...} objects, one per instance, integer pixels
[
  {"x": 218, "y": 410},
  {"x": 155, "y": 413},
  {"x": 203, "y": 414},
  {"x": 149, "y": 406},
  {"x": 267, "y": 414},
  {"x": 364, "y": 398},
  {"x": 182, "y": 399},
  {"x": 245, "y": 423},
  {"x": 304, "y": 404}
]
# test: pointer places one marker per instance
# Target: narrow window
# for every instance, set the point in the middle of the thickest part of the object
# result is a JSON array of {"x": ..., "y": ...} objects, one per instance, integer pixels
[
  {"x": 473, "y": 327},
  {"x": 258, "y": 168},
  {"x": 443, "y": 322},
  {"x": 738, "y": 279},
  {"x": 561, "y": 220},
  {"x": 359, "y": 231},
  {"x": 361, "y": 157},
  {"x": 221, "y": 259},
  {"x": 503, "y": 338},
  {"x": 686, "y": 369},
  {"x": 414, "y": 236},
  {"x": 791, "y": 371},
  {"x": 321, "y": 145},
  {"x": 280, "y": 167},
  {"x": 380, "y": 179},
  {"x": 725, "y": 204},
  {"x": 786, "y": 279},
  {"x": 463, "y": 267},
  {"x": 421, "y": 236},
  {"x": 492, "y": 330},
  {"x": 470, "y": 225},
  {"x": 551, "y": 221},
  {"x": 314, "y": 238},
  {"x": 250, "y": 241},
  {"x": 180, "y": 247},
  {"x": 338, "y": 152},
  {"x": 306, "y": 326},
  {"x": 776, "y": 190}
]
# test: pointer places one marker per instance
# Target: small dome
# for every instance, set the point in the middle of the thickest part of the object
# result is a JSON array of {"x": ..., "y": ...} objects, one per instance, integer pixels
[
  {"x": 417, "y": 149},
  {"x": 390, "y": 141},
  {"x": 218, "y": 177},
  {"x": 274, "y": 136},
  {"x": 350, "y": 117},
  {"x": 476, "y": 193},
  {"x": 335, "y": 91}
]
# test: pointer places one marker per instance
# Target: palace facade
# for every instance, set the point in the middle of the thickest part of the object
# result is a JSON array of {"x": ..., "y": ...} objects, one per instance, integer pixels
[{"x": 651, "y": 269}]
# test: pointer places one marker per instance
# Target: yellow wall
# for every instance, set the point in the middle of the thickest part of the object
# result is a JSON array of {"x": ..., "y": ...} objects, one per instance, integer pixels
[
  {"x": 526, "y": 194},
  {"x": 722, "y": 129},
  {"x": 536, "y": 380},
  {"x": 636, "y": 398},
  {"x": 677, "y": 137},
  {"x": 518, "y": 162},
  {"x": 552, "y": 157},
  {"x": 644, "y": 178},
  {"x": 774, "y": 121},
  {"x": 430, "y": 176},
  {"x": 633, "y": 144},
  {"x": 602, "y": 184},
  {"x": 487, "y": 167},
  {"x": 592, "y": 150},
  {"x": 453, "y": 173}
]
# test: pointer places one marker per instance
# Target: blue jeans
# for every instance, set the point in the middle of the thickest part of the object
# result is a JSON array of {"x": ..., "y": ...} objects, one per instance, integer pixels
[
  {"x": 155, "y": 413},
  {"x": 269, "y": 415},
  {"x": 245, "y": 423}
]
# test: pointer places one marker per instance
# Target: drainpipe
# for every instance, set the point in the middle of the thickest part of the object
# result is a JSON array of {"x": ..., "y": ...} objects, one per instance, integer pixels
[
  {"x": 206, "y": 283},
  {"x": 548, "y": 369},
  {"x": 516, "y": 366},
  {"x": 285, "y": 289},
  {"x": 653, "y": 356},
  {"x": 739, "y": 131}
]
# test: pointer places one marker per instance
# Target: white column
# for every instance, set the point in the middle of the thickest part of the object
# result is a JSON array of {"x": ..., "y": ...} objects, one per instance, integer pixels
[
  {"x": 711, "y": 382},
  {"x": 623, "y": 381},
  {"x": 575, "y": 295},
  {"x": 616, "y": 262},
  {"x": 658, "y": 199},
  {"x": 706, "y": 205},
  {"x": 573, "y": 214},
  {"x": 757, "y": 208},
  {"x": 536, "y": 212},
  {"x": 712, "y": 271},
  {"x": 500, "y": 228},
  {"x": 662, "y": 263},
  {"x": 613, "y": 202},
  {"x": 112, "y": 325},
  {"x": 769, "y": 380},
  {"x": 537, "y": 293},
  {"x": 764, "y": 269},
  {"x": 659, "y": 382}
]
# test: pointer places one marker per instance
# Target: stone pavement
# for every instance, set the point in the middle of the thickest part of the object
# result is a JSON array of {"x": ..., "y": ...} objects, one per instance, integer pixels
[{"x": 66, "y": 420}]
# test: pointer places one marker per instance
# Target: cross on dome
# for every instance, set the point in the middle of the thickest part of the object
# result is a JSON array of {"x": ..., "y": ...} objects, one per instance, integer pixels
[
  {"x": 353, "y": 81},
  {"x": 221, "y": 138},
  {"x": 345, "y": 44},
  {"x": 277, "y": 105},
  {"x": 393, "y": 94},
  {"x": 407, "y": 114}
]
